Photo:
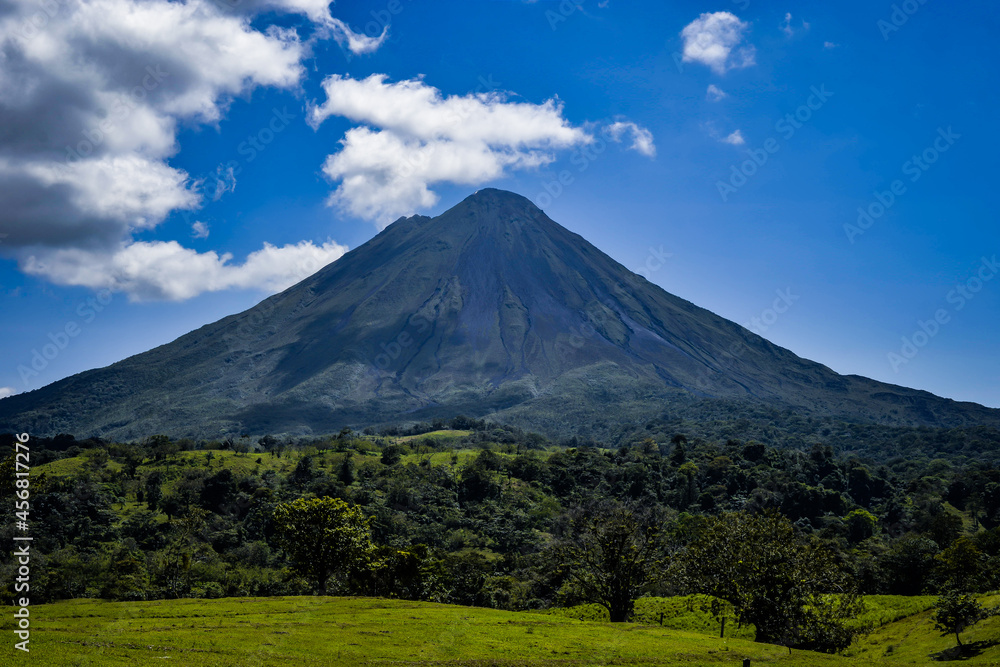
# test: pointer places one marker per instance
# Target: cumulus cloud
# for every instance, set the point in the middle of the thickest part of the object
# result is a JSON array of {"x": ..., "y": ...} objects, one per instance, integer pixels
[
  {"x": 412, "y": 137},
  {"x": 734, "y": 139},
  {"x": 642, "y": 139},
  {"x": 714, "y": 93},
  {"x": 161, "y": 270},
  {"x": 199, "y": 230},
  {"x": 716, "y": 40},
  {"x": 92, "y": 93},
  {"x": 90, "y": 104},
  {"x": 7, "y": 391}
]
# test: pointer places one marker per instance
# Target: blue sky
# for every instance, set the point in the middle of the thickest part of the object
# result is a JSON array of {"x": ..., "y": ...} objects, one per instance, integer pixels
[{"x": 723, "y": 149}]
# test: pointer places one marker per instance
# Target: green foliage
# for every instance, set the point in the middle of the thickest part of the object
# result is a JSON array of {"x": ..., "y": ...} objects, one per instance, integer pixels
[
  {"x": 469, "y": 520},
  {"x": 957, "y": 611},
  {"x": 861, "y": 525},
  {"x": 324, "y": 537},
  {"x": 347, "y": 473},
  {"x": 612, "y": 554},
  {"x": 773, "y": 580},
  {"x": 961, "y": 566}
]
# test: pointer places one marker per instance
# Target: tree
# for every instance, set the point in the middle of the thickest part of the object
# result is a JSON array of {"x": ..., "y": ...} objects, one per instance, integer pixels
[
  {"x": 957, "y": 611},
  {"x": 218, "y": 490},
  {"x": 907, "y": 564},
  {"x": 324, "y": 537},
  {"x": 780, "y": 584},
  {"x": 861, "y": 525},
  {"x": 613, "y": 554},
  {"x": 347, "y": 473},
  {"x": 391, "y": 455},
  {"x": 153, "y": 490},
  {"x": 961, "y": 565},
  {"x": 303, "y": 473}
]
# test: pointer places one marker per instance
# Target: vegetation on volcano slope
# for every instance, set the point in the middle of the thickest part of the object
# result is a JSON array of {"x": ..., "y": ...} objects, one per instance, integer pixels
[{"x": 474, "y": 515}]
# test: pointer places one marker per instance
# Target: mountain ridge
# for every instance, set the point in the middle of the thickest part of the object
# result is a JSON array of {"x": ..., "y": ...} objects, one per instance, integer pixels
[{"x": 490, "y": 308}]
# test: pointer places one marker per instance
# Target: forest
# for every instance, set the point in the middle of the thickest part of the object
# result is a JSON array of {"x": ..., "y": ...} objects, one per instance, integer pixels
[{"x": 784, "y": 539}]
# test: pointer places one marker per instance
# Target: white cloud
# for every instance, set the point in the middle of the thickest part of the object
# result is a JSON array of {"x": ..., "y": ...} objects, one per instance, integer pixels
[
  {"x": 199, "y": 230},
  {"x": 158, "y": 270},
  {"x": 830, "y": 45},
  {"x": 734, "y": 139},
  {"x": 92, "y": 93},
  {"x": 787, "y": 28},
  {"x": 356, "y": 42},
  {"x": 7, "y": 391},
  {"x": 318, "y": 11},
  {"x": 642, "y": 139},
  {"x": 714, "y": 93},
  {"x": 224, "y": 180},
  {"x": 412, "y": 137},
  {"x": 714, "y": 40}
]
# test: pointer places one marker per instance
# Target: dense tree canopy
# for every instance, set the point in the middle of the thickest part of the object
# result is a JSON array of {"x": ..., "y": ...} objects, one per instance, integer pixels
[
  {"x": 493, "y": 516},
  {"x": 324, "y": 536}
]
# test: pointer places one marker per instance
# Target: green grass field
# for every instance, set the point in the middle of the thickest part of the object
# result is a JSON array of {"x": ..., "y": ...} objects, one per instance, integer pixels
[
  {"x": 688, "y": 613},
  {"x": 314, "y": 631},
  {"x": 441, "y": 436}
]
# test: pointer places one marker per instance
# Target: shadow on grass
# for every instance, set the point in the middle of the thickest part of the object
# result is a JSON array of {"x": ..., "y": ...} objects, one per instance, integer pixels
[{"x": 966, "y": 651}]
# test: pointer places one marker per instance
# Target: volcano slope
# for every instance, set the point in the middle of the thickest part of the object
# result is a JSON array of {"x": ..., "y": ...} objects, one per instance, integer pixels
[{"x": 489, "y": 309}]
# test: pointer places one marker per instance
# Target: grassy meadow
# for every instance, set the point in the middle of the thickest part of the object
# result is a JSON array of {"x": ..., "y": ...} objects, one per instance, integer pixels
[{"x": 315, "y": 631}]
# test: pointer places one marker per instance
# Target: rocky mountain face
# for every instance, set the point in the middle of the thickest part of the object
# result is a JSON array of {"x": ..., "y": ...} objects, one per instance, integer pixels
[{"x": 490, "y": 308}]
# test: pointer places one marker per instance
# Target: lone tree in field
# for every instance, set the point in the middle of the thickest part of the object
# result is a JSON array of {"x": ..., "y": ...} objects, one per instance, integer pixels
[
  {"x": 613, "y": 554},
  {"x": 957, "y": 611},
  {"x": 792, "y": 591},
  {"x": 323, "y": 537}
]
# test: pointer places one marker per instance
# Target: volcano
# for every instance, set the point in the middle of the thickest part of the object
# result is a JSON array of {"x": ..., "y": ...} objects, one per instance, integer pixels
[{"x": 489, "y": 309}]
